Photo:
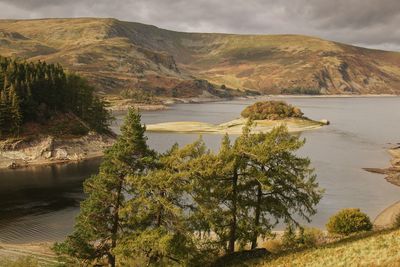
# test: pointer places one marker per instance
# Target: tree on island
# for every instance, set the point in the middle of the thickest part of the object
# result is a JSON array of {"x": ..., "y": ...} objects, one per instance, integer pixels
[{"x": 271, "y": 110}]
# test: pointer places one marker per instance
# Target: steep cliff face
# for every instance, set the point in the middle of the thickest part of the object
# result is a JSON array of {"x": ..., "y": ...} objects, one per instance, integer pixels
[{"x": 118, "y": 55}]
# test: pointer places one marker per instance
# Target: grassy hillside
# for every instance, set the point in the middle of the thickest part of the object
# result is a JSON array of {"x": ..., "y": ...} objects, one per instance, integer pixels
[
  {"x": 376, "y": 249},
  {"x": 120, "y": 55}
]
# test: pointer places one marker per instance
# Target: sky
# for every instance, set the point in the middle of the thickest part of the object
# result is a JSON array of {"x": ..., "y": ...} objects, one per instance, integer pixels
[{"x": 368, "y": 23}]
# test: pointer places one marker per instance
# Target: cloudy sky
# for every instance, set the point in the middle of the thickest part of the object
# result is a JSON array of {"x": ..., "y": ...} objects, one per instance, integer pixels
[{"x": 370, "y": 23}]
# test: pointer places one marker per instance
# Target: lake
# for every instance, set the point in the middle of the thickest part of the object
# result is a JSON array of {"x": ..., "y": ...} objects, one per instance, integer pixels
[{"x": 40, "y": 203}]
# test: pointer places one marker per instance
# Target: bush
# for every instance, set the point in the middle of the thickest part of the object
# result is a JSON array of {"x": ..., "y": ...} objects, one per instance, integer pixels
[
  {"x": 396, "y": 223},
  {"x": 348, "y": 221},
  {"x": 302, "y": 237},
  {"x": 289, "y": 238},
  {"x": 311, "y": 237},
  {"x": 271, "y": 110}
]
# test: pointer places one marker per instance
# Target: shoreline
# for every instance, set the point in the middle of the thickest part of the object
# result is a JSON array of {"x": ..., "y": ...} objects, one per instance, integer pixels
[
  {"x": 236, "y": 126},
  {"x": 392, "y": 173},
  {"x": 122, "y": 105},
  {"x": 49, "y": 150},
  {"x": 387, "y": 217},
  {"x": 13, "y": 160}
]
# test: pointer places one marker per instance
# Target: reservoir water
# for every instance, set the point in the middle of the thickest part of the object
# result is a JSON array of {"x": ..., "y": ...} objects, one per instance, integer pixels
[{"x": 40, "y": 203}]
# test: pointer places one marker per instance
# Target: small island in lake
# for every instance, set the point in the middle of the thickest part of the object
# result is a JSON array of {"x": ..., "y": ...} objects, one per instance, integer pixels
[{"x": 266, "y": 115}]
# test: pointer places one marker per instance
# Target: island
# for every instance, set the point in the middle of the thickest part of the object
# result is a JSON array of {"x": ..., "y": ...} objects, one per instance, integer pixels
[{"x": 265, "y": 116}]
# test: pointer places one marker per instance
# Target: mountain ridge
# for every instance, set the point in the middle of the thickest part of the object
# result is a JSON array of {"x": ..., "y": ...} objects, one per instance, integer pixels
[{"x": 118, "y": 56}]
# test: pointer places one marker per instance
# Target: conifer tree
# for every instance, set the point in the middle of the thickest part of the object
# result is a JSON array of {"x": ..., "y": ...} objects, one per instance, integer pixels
[
  {"x": 161, "y": 234},
  {"x": 280, "y": 183},
  {"x": 100, "y": 224},
  {"x": 252, "y": 185}
]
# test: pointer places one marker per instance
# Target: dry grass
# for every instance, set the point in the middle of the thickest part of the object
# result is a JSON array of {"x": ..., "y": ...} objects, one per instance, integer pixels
[
  {"x": 376, "y": 249},
  {"x": 117, "y": 55}
]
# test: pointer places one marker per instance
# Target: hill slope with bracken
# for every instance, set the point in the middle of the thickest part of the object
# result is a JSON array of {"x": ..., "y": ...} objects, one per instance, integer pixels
[{"x": 118, "y": 55}]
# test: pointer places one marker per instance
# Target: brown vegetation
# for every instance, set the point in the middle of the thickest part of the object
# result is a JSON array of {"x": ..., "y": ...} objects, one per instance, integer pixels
[
  {"x": 271, "y": 110},
  {"x": 117, "y": 55}
]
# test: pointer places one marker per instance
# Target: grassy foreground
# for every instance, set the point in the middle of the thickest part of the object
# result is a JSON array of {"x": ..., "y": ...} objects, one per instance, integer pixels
[
  {"x": 376, "y": 249},
  {"x": 234, "y": 126}
]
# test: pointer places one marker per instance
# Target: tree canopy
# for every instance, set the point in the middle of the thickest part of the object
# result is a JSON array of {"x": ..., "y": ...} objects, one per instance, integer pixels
[
  {"x": 36, "y": 91},
  {"x": 189, "y": 205},
  {"x": 271, "y": 110}
]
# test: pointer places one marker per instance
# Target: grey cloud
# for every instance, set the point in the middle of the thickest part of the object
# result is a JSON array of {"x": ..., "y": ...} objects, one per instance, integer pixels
[{"x": 372, "y": 23}]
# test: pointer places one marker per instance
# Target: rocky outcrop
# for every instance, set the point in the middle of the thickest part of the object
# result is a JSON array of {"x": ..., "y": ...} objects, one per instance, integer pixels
[{"x": 49, "y": 149}]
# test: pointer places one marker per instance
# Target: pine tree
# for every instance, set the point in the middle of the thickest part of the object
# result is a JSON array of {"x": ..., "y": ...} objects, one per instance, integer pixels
[
  {"x": 249, "y": 186},
  {"x": 161, "y": 235},
  {"x": 15, "y": 110},
  {"x": 279, "y": 184},
  {"x": 100, "y": 223}
]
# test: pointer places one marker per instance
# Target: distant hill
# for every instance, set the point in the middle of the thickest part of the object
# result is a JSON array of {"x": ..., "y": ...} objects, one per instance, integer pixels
[{"x": 117, "y": 56}]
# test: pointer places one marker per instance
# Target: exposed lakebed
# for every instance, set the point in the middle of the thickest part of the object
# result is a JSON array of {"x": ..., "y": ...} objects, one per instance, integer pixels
[{"x": 39, "y": 203}]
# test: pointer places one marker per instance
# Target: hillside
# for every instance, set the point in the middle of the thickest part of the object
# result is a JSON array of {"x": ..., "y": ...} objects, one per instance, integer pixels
[
  {"x": 377, "y": 249},
  {"x": 119, "y": 56}
]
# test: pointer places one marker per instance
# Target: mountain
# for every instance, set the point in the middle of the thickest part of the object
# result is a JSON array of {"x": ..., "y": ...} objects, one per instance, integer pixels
[{"x": 120, "y": 56}]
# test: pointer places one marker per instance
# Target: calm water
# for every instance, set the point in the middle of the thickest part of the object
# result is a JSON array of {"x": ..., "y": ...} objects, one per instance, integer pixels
[{"x": 39, "y": 204}]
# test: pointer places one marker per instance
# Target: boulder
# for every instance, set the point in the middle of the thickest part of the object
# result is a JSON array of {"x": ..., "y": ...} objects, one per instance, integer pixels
[{"x": 61, "y": 154}]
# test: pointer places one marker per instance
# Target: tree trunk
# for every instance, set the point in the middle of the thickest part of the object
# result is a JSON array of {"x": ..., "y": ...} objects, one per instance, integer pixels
[
  {"x": 160, "y": 212},
  {"x": 256, "y": 217},
  {"x": 111, "y": 260},
  {"x": 114, "y": 230},
  {"x": 232, "y": 234}
]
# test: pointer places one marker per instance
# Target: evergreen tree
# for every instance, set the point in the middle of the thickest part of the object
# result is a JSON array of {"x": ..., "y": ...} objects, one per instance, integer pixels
[
  {"x": 252, "y": 185},
  {"x": 100, "y": 224},
  {"x": 35, "y": 92},
  {"x": 280, "y": 183},
  {"x": 160, "y": 233}
]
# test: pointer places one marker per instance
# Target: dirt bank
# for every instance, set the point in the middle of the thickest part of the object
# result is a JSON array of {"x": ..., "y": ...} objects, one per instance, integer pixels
[{"x": 42, "y": 150}]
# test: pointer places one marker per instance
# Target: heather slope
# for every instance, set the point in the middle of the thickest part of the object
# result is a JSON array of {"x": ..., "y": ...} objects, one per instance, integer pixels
[{"x": 119, "y": 55}]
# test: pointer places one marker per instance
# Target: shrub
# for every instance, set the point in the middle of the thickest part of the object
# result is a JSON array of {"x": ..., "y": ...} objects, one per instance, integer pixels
[
  {"x": 271, "y": 110},
  {"x": 311, "y": 237},
  {"x": 348, "y": 221},
  {"x": 396, "y": 223},
  {"x": 294, "y": 238}
]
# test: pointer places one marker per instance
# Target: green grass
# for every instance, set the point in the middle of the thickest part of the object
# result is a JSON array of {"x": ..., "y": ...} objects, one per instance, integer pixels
[{"x": 370, "y": 249}]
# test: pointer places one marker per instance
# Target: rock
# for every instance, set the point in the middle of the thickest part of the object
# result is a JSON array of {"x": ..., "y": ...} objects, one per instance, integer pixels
[
  {"x": 47, "y": 154},
  {"x": 14, "y": 165},
  {"x": 325, "y": 122},
  {"x": 61, "y": 154}
]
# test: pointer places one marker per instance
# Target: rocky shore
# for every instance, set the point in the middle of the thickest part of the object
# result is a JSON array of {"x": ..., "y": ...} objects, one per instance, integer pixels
[
  {"x": 387, "y": 217},
  {"x": 42, "y": 150},
  {"x": 393, "y": 172}
]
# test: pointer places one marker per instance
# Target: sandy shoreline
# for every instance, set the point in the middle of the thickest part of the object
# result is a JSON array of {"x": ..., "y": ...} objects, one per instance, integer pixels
[
  {"x": 234, "y": 126},
  {"x": 387, "y": 217}
]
